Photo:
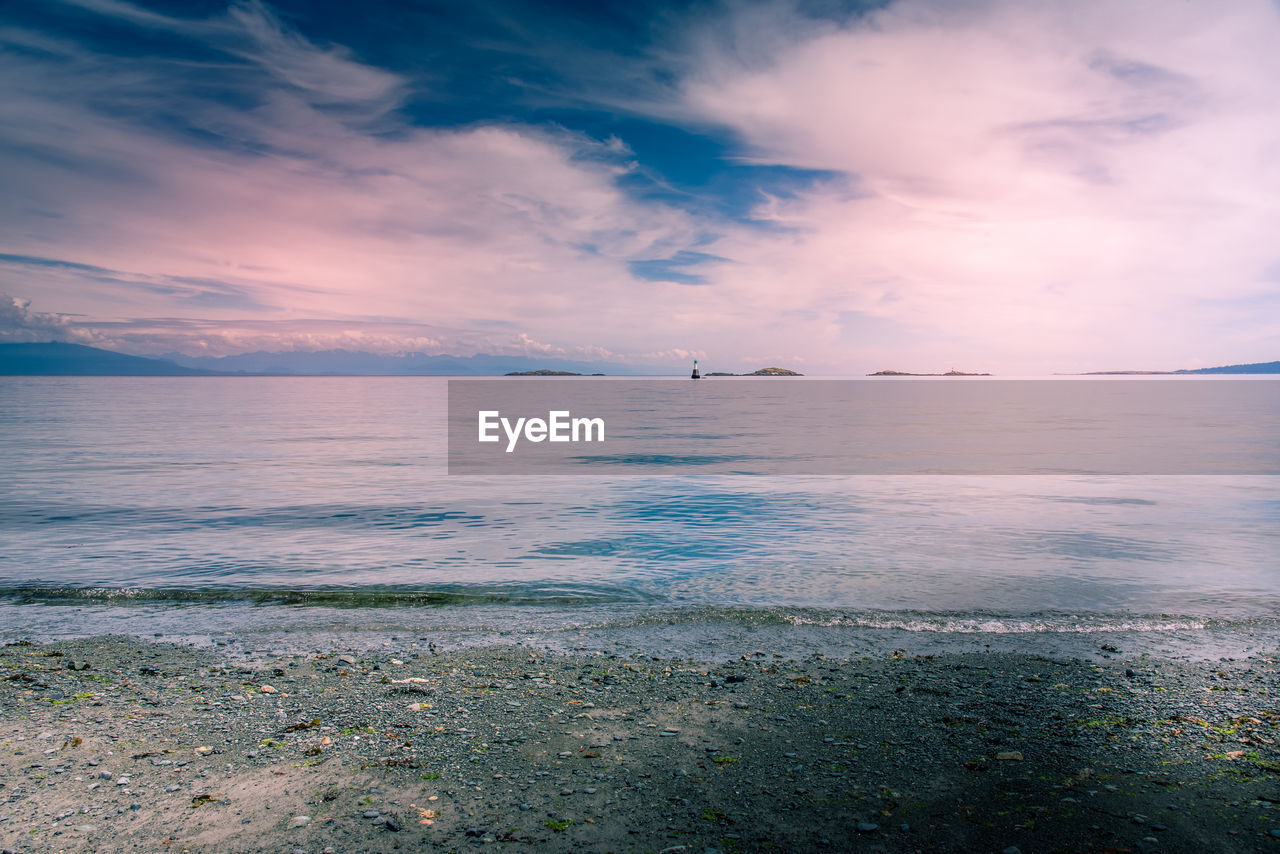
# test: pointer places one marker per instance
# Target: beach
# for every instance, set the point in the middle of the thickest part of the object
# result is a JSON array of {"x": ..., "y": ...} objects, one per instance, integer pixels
[
  {"x": 639, "y": 428},
  {"x": 117, "y": 744},
  {"x": 255, "y": 615}
]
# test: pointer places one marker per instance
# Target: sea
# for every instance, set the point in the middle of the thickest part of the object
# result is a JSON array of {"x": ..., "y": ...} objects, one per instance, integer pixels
[{"x": 299, "y": 513}]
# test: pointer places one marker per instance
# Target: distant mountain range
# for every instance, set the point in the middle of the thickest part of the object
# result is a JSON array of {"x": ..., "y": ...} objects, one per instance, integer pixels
[
  {"x": 1253, "y": 368},
  {"x": 55, "y": 358}
]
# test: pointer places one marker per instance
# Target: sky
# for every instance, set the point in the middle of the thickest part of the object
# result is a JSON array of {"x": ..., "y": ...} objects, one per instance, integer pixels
[{"x": 1015, "y": 186}]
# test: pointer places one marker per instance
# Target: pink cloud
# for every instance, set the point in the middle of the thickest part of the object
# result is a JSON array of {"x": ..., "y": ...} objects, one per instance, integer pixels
[
  {"x": 317, "y": 214},
  {"x": 1038, "y": 184},
  {"x": 1027, "y": 187}
]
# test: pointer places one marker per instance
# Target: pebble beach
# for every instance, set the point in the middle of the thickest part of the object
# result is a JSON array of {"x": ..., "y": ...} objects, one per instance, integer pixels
[{"x": 116, "y": 744}]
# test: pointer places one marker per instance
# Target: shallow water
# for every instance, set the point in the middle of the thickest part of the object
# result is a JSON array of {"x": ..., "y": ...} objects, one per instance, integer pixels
[{"x": 197, "y": 506}]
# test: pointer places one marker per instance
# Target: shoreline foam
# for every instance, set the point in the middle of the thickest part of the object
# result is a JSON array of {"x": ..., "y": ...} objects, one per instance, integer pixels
[{"x": 695, "y": 632}]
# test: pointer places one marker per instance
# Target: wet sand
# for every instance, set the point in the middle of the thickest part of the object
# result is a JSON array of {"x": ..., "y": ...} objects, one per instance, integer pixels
[{"x": 112, "y": 744}]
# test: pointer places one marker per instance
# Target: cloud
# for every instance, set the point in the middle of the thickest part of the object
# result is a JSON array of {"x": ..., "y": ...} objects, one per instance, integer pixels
[
  {"x": 283, "y": 186},
  {"x": 222, "y": 338},
  {"x": 987, "y": 185},
  {"x": 1026, "y": 182},
  {"x": 18, "y": 323},
  {"x": 202, "y": 293},
  {"x": 327, "y": 76}
]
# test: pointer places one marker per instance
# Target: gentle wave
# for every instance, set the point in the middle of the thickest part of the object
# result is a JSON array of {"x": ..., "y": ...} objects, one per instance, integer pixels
[
  {"x": 1059, "y": 623},
  {"x": 334, "y": 598},
  {"x": 20, "y": 515},
  {"x": 941, "y": 622},
  {"x": 627, "y": 608}
]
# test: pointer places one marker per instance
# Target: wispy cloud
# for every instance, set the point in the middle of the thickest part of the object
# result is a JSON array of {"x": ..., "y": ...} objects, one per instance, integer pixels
[
  {"x": 1055, "y": 183},
  {"x": 278, "y": 170},
  {"x": 986, "y": 185},
  {"x": 324, "y": 74}
]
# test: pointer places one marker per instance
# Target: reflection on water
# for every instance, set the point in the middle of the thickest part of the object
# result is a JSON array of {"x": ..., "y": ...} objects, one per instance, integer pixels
[{"x": 320, "y": 483}]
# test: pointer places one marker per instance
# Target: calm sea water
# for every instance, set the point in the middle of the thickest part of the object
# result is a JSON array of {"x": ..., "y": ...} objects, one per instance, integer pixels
[{"x": 269, "y": 511}]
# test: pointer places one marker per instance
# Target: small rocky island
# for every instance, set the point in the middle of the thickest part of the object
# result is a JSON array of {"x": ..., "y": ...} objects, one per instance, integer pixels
[
  {"x": 951, "y": 373},
  {"x": 543, "y": 372},
  {"x": 763, "y": 372}
]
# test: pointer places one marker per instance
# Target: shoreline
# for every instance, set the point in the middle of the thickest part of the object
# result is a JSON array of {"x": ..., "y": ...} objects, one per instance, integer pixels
[
  {"x": 694, "y": 632},
  {"x": 512, "y": 748}
]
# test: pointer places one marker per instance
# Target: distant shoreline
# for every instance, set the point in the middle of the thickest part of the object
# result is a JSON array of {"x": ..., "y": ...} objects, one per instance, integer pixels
[{"x": 63, "y": 359}]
